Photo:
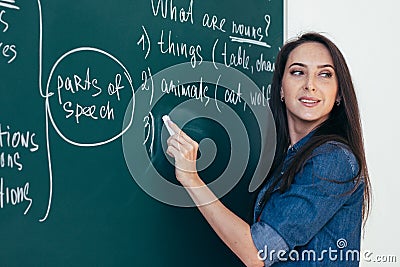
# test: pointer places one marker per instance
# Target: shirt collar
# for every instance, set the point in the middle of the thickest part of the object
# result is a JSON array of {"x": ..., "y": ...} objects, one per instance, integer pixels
[{"x": 301, "y": 142}]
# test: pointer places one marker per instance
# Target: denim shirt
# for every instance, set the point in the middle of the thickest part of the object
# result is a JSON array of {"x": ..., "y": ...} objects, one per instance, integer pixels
[{"x": 317, "y": 221}]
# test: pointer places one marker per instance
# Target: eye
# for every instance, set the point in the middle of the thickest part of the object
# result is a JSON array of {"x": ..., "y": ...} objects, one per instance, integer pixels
[
  {"x": 296, "y": 72},
  {"x": 326, "y": 74}
]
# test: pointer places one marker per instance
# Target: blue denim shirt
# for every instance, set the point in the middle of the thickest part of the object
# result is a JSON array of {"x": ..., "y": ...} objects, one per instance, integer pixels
[{"x": 316, "y": 222}]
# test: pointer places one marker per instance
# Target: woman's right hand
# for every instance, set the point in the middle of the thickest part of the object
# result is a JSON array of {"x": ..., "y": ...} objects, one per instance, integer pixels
[{"x": 184, "y": 150}]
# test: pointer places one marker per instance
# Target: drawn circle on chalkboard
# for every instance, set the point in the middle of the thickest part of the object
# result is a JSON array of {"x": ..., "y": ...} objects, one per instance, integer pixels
[
  {"x": 144, "y": 143},
  {"x": 87, "y": 91}
]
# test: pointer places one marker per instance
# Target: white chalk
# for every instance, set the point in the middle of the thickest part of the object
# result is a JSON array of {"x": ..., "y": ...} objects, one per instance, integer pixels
[{"x": 166, "y": 118}]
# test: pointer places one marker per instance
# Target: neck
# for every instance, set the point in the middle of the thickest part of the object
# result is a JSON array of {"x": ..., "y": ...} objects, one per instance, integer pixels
[{"x": 299, "y": 130}]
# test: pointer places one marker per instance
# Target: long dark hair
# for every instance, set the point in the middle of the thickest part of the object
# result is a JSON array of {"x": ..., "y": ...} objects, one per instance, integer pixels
[{"x": 343, "y": 124}]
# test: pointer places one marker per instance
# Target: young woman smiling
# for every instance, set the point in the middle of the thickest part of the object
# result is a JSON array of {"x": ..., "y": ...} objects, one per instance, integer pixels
[{"x": 317, "y": 192}]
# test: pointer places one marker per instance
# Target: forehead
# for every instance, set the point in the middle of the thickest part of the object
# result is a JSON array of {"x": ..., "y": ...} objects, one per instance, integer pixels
[{"x": 311, "y": 53}]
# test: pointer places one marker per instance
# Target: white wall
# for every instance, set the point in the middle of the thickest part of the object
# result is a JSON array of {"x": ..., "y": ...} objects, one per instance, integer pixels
[{"x": 368, "y": 34}]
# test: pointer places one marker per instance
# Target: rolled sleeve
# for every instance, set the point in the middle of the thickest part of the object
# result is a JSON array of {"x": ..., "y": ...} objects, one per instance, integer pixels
[{"x": 266, "y": 239}]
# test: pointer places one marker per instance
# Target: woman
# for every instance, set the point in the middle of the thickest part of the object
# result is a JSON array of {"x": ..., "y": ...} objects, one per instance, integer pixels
[{"x": 309, "y": 211}]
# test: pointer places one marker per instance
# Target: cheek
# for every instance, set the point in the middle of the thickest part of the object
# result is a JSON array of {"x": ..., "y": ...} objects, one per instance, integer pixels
[
  {"x": 289, "y": 93},
  {"x": 287, "y": 88},
  {"x": 331, "y": 94},
  {"x": 284, "y": 84}
]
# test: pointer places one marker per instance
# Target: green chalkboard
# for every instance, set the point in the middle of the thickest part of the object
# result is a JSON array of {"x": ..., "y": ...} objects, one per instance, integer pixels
[{"x": 84, "y": 178}]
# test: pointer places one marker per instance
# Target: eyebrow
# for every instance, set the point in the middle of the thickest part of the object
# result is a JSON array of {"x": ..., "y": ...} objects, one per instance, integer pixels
[{"x": 304, "y": 65}]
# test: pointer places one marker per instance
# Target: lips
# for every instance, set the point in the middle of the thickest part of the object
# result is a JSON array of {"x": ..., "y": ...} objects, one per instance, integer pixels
[{"x": 309, "y": 101}]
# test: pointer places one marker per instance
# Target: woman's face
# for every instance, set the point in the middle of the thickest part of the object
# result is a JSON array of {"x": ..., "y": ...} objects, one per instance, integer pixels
[{"x": 309, "y": 86}]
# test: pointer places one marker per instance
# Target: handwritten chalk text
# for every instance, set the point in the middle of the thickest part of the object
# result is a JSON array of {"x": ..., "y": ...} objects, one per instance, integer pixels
[
  {"x": 14, "y": 196},
  {"x": 193, "y": 91},
  {"x": 214, "y": 23},
  {"x": 255, "y": 33},
  {"x": 77, "y": 84},
  {"x": 180, "y": 49},
  {"x": 162, "y": 7},
  {"x": 17, "y": 139},
  {"x": 7, "y": 50},
  {"x": 3, "y": 21}
]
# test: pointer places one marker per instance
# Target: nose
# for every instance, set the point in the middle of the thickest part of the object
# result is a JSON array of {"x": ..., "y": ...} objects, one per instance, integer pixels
[{"x": 310, "y": 86}]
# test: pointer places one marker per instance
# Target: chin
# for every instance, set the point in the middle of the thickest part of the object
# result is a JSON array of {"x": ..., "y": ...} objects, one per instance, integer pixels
[{"x": 315, "y": 119}]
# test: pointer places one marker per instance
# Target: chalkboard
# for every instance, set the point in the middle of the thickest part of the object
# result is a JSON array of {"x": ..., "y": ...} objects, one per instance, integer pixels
[{"x": 84, "y": 178}]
